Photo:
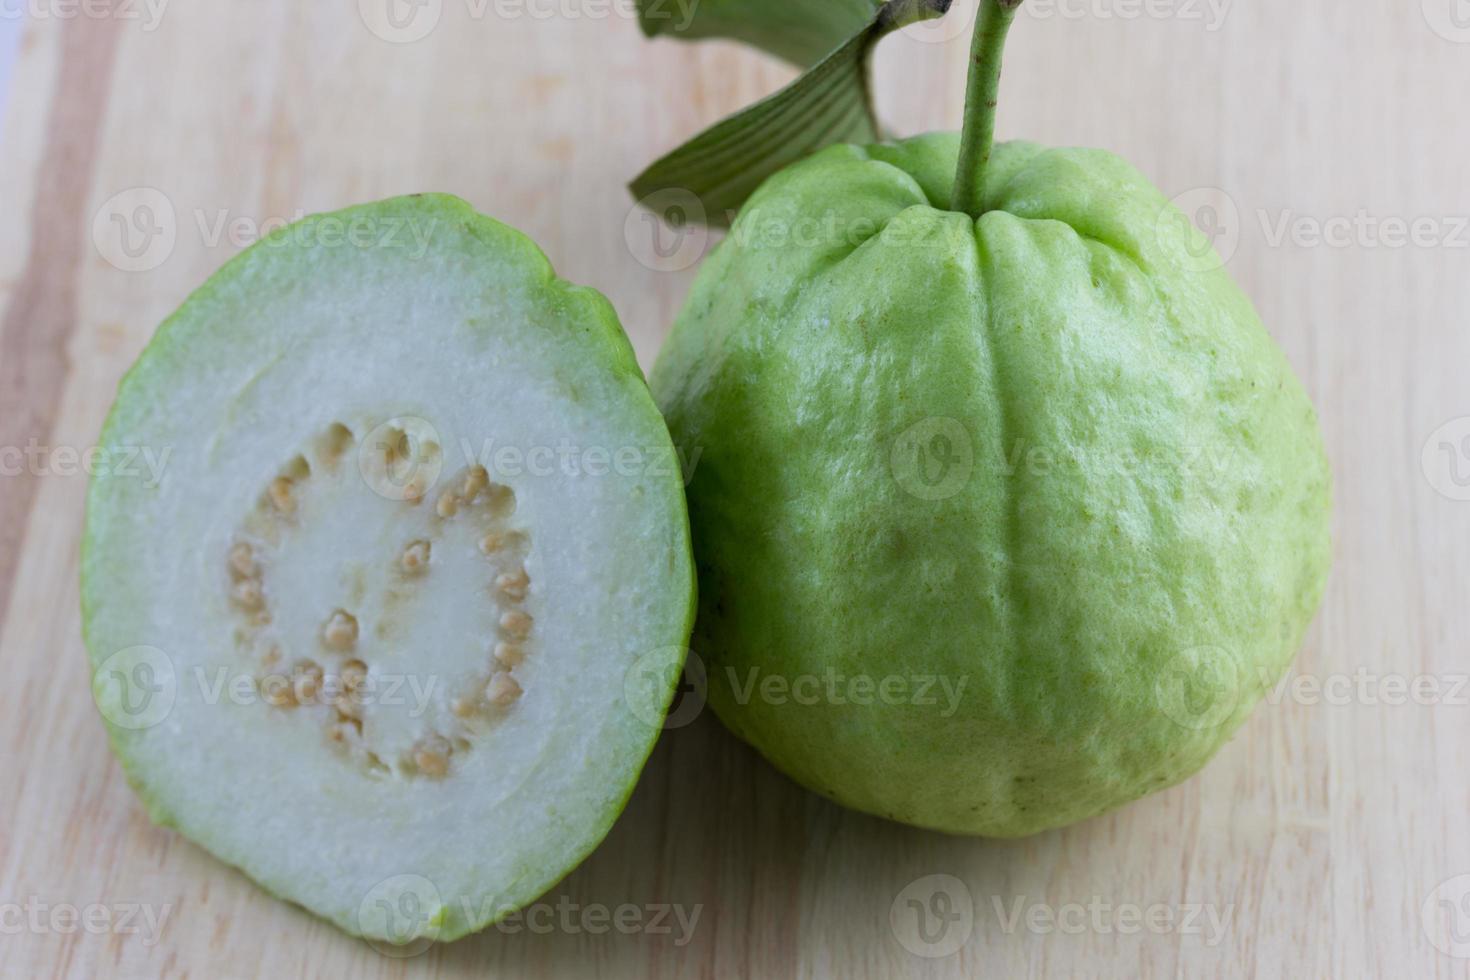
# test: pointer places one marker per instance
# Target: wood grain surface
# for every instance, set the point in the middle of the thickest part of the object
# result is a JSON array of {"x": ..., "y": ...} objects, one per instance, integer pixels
[{"x": 1324, "y": 143}]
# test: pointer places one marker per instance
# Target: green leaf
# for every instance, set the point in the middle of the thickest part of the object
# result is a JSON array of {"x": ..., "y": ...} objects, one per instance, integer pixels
[
  {"x": 801, "y": 31},
  {"x": 830, "y": 103}
]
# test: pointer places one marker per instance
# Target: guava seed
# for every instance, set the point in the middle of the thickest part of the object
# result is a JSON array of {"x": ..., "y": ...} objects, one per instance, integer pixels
[
  {"x": 279, "y": 492},
  {"x": 340, "y": 632},
  {"x": 516, "y": 623},
  {"x": 247, "y": 595},
  {"x": 503, "y": 690},
  {"x": 510, "y": 654},
  {"x": 415, "y": 557},
  {"x": 432, "y": 756},
  {"x": 242, "y": 560},
  {"x": 474, "y": 481}
]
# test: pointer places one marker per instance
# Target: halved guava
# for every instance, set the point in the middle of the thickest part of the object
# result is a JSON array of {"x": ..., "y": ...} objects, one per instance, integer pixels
[{"x": 394, "y": 626}]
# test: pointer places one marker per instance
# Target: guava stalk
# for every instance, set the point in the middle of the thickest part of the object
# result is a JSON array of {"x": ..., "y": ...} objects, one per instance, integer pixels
[{"x": 992, "y": 23}]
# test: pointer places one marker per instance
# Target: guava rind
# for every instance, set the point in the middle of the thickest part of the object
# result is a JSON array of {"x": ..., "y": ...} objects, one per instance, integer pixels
[
  {"x": 1145, "y": 517},
  {"x": 592, "y": 358}
]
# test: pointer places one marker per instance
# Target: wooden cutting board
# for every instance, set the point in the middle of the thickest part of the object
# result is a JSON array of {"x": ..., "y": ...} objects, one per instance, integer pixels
[{"x": 1328, "y": 839}]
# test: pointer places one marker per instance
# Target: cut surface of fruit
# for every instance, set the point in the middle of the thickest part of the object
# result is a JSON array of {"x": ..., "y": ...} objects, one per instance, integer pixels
[{"x": 394, "y": 627}]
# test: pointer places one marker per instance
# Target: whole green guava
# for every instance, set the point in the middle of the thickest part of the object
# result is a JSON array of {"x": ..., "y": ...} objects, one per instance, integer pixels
[{"x": 999, "y": 522}]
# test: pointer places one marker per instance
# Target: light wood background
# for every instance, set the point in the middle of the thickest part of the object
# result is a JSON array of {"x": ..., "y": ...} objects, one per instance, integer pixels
[{"x": 1319, "y": 836}]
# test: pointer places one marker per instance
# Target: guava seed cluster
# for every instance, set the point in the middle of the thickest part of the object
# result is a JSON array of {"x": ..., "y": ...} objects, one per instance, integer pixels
[{"x": 326, "y": 672}]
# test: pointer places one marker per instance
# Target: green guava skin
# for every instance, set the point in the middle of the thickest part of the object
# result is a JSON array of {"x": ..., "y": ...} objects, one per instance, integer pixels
[{"x": 1131, "y": 557}]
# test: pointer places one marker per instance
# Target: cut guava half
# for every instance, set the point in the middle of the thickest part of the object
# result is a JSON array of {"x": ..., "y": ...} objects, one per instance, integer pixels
[{"x": 393, "y": 623}]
